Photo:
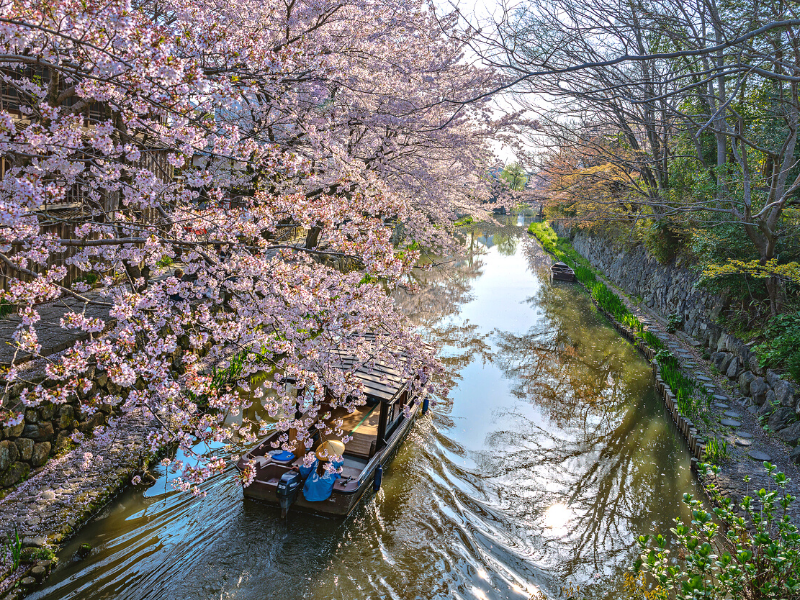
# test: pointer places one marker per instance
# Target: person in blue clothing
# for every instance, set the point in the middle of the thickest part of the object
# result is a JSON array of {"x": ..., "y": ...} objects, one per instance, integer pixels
[{"x": 319, "y": 487}]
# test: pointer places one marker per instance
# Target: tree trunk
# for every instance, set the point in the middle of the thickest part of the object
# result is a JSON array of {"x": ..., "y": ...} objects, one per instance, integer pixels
[
  {"x": 775, "y": 291},
  {"x": 312, "y": 237}
]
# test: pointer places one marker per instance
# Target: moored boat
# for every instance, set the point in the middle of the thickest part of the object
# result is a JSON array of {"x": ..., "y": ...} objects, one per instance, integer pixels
[
  {"x": 375, "y": 431},
  {"x": 562, "y": 272}
]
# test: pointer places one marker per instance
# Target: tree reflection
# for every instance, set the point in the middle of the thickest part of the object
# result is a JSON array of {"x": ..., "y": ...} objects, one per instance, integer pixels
[
  {"x": 439, "y": 289},
  {"x": 597, "y": 440},
  {"x": 506, "y": 244},
  {"x": 567, "y": 364},
  {"x": 588, "y": 436}
]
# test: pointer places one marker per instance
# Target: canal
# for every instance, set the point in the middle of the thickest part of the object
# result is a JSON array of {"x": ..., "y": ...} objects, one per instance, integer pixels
[{"x": 550, "y": 455}]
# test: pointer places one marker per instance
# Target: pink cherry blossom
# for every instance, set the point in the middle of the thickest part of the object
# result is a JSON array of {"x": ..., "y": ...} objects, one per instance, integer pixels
[{"x": 198, "y": 142}]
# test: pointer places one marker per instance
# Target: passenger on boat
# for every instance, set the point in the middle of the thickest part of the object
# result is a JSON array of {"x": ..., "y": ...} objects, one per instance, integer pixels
[{"x": 320, "y": 487}]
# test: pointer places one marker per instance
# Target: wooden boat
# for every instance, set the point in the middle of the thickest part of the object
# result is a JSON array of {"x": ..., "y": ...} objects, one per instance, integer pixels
[
  {"x": 377, "y": 429},
  {"x": 561, "y": 272}
]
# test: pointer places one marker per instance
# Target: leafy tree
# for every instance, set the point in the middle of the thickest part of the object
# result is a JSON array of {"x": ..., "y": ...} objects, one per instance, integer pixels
[{"x": 515, "y": 176}]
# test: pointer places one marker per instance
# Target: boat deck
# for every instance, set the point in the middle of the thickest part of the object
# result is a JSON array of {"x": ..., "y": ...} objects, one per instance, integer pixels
[{"x": 362, "y": 426}]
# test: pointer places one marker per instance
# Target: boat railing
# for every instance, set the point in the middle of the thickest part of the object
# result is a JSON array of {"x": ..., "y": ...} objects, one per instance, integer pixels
[{"x": 373, "y": 462}]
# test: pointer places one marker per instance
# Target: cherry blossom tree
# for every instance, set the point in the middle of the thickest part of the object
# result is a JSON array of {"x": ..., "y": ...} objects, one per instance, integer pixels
[{"x": 192, "y": 135}]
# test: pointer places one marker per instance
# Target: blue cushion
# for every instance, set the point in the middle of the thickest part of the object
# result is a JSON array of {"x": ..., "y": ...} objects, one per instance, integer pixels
[{"x": 283, "y": 456}]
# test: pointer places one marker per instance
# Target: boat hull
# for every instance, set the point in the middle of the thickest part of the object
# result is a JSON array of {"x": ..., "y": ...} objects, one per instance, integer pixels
[
  {"x": 563, "y": 276},
  {"x": 341, "y": 503}
]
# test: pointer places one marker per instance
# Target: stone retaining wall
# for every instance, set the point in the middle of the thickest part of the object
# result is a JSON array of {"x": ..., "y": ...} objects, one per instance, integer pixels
[
  {"x": 45, "y": 431},
  {"x": 667, "y": 289},
  {"x": 670, "y": 289},
  {"x": 47, "y": 428}
]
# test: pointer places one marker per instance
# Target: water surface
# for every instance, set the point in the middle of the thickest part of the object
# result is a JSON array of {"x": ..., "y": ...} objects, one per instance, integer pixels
[{"x": 547, "y": 459}]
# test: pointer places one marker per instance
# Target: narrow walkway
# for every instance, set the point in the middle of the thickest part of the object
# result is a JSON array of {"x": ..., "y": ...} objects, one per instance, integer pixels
[
  {"x": 730, "y": 417},
  {"x": 52, "y": 337},
  {"x": 69, "y": 489}
]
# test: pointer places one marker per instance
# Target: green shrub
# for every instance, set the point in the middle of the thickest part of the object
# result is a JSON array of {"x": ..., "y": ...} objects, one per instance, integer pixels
[
  {"x": 720, "y": 555},
  {"x": 6, "y": 308},
  {"x": 782, "y": 345},
  {"x": 165, "y": 262},
  {"x": 675, "y": 320},
  {"x": 682, "y": 387},
  {"x": 88, "y": 278},
  {"x": 664, "y": 241},
  {"x": 652, "y": 340}
]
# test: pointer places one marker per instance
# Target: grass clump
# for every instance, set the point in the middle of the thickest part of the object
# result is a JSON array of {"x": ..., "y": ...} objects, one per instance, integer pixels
[
  {"x": 716, "y": 451},
  {"x": 683, "y": 387}
]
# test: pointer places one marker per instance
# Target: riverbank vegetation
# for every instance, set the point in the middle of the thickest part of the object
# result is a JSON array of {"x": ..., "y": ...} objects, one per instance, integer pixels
[
  {"x": 746, "y": 551},
  {"x": 751, "y": 549},
  {"x": 673, "y": 125},
  {"x": 689, "y": 398}
]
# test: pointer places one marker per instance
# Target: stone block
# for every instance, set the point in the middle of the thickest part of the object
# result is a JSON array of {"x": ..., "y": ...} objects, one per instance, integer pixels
[
  {"x": 754, "y": 366},
  {"x": 90, "y": 393},
  {"x": 744, "y": 382},
  {"x": 734, "y": 369},
  {"x": 772, "y": 378},
  {"x": 15, "y": 472},
  {"x": 65, "y": 416},
  {"x": 31, "y": 430},
  {"x": 722, "y": 342},
  {"x": 766, "y": 408},
  {"x": 15, "y": 431},
  {"x": 790, "y": 434},
  {"x": 31, "y": 415},
  {"x": 781, "y": 418},
  {"x": 794, "y": 455},
  {"x": 758, "y": 390},
  {"x": 723, "y": 368},
  {"x": 25, "y": 447},
  {"x": 87, "y": 426},
  {"x": 62, "y": 440},
  {"x": 718, "y": 358},
  {"x": 102, "y": 379},
  {"x": 6, "y": 456},
  {"x": 40, "y": 454},
  {"x": 46, "y": 411},
  {"x": 744, "y": 354},
  {"x": 785, "y": 392},
  {"x": 45, "y": 432},
  {"x": 713, "y": 338}
]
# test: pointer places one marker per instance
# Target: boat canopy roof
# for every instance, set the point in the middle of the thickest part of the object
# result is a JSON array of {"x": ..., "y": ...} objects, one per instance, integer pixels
[
  {"x": 381, "y": 381},
  {"x": 560, "y": 264}
]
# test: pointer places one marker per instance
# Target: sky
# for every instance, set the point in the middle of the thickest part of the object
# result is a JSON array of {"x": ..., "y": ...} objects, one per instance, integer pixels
[{"x": 482, "y": 11}]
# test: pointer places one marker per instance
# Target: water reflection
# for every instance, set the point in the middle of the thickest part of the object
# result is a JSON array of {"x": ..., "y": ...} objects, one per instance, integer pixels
[{"x": 536, "y": 473}]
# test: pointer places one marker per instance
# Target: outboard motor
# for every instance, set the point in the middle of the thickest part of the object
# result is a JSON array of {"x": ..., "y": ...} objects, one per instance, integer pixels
[{"x": 288, "y": 488}]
